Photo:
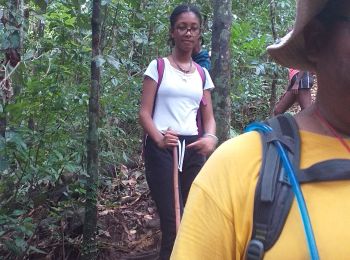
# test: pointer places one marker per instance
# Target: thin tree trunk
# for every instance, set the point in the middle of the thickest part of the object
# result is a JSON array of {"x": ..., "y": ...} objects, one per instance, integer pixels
[
  {"x": 221, "y": 66},
  {"x": 9, "y": 63},
  {"x": 274, "y": 75},
  {"x": 90, "y": 250}
]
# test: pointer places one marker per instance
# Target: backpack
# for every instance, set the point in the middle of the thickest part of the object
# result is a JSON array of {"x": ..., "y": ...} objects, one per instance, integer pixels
[
  {"x": 274, "y": 194},
  {"x": 160, "y": 69}
]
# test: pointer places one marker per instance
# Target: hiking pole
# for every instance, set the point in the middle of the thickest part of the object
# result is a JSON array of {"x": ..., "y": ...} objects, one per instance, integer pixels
[{"x": 176, "y": 188}]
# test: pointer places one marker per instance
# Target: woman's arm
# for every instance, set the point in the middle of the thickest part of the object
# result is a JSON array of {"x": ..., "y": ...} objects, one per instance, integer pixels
[
  {"x": 149, "y": 90},
  {"x": 209, "y": 124},
  {"x": 206, "y": 144}
]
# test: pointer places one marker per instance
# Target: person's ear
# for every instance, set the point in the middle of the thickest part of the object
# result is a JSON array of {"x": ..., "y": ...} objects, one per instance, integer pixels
[{"x": 314, "y": 39}]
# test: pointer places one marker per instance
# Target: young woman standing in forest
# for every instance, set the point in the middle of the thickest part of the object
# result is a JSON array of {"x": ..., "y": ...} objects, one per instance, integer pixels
[{"x": 168, "y": 116}]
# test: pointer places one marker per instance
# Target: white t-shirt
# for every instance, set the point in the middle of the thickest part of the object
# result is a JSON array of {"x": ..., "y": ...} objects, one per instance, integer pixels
[{"x": 178, "y": 98}]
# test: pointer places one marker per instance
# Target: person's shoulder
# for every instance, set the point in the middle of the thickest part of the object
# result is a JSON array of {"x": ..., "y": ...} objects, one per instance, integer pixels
[
  {"x": 234, "y": 159},
  {"x": 152, "y": 70},
  {"x": 153, "y": 63},
  {"x": 230, "y": 174},
  {"x": 241, "y": 144}
]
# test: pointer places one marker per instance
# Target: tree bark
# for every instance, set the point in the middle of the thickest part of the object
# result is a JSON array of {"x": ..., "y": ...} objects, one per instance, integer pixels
[
  {"x": 221, "y": 66},
  {"x": 90, "y": 250},
  {"x": 11, "y": 58},
  {"x": 9, "y": 64},
  {"x": 275, "y": 74}
]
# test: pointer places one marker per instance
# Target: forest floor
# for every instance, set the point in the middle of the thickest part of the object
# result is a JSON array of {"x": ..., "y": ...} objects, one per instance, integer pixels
[
  {"x": 128, "y": 225},
  {"x": 130, "y": 230}
]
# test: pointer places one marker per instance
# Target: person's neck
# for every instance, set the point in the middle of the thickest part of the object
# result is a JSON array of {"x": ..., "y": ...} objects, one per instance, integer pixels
[
  {"x": 318, "y": 116},
  {"x": 333, "y": 101},
  {"x": 336, "y": 115},
  {"x": 180, "y": 56}
]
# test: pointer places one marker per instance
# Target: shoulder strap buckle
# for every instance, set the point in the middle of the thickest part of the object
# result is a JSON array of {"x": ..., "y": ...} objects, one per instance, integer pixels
[{"x": 255, "y": 250}]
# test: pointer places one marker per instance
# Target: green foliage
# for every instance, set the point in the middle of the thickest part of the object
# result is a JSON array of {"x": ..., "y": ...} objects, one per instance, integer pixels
[
  {"x": 23, "y": 228},
  {"x": 252, "y": 70}
]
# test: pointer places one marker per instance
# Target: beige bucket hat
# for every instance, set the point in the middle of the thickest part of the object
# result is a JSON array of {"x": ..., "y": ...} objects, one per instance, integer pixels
[{"x": 290, "y": 51}]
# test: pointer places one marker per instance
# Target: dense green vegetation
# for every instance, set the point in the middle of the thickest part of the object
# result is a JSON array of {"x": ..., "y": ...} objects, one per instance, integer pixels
[{"x": 43, "y": 147}]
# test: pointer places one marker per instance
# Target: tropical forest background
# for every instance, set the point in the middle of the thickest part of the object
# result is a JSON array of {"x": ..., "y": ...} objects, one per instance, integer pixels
[{"x": 47, "y": 59}]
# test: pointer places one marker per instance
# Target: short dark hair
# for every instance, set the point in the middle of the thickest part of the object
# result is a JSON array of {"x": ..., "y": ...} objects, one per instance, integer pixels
[{"x": 184, "y": 9}]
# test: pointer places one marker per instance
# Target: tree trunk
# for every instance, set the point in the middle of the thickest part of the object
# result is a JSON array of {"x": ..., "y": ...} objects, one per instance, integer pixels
[
  {"x": 221, "y": 66},
  {"x": 275, "y": 74},
  {"x": 9, "y": 63},
  {"x": 90, "y": 249}
]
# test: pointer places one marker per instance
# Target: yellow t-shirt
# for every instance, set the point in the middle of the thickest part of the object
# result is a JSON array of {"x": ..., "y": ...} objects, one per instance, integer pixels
[{"x": 217, "y": 221}]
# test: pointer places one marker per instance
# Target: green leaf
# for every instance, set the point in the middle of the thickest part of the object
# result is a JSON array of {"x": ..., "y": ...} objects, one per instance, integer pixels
[
  {"x": 21, "y": 243},
  {"x": 58, "y": 154},
  {"x": 71, "y": 168},
  {"x": 28, "y": 55},
  {"x": 105, "y": 2},
  {"x": 140, "y": 16},
  {"x": 70, "y": 21},
  {"x": 115, "y": 63},
  {"x": 18, "y": 212},
  {"x": 99, "y": 60},
  {"x": 14, "y": 40},
  {"x": 125, "y": 157},
  {"x": 11, "y": 246},
  {"x": 3, "y": 164},
  {"x": 114, "y": 81},
  {"x": 15, "y": 138},
  {"x": 5, "y": 44},
  {"x": 37, "y": 250}
]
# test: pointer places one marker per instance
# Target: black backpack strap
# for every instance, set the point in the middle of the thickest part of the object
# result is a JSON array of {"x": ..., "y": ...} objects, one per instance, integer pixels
[
  {"x": 273, "y": 195},
  {"x": 331, "y": 170}
]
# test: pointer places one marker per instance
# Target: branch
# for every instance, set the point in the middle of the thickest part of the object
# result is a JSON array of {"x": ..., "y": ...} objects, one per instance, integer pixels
[{"x": 3, "y": 81}]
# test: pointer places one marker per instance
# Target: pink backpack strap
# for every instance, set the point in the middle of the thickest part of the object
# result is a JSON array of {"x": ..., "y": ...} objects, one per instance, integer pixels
[
  {"x": 203, "y": 77},
  {"x": 160, "y": 69},
  {"x": 203, "y": 101}
]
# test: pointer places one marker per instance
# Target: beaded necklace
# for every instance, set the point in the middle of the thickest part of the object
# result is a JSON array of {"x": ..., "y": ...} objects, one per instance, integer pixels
[{"x": 181, "y": 69}]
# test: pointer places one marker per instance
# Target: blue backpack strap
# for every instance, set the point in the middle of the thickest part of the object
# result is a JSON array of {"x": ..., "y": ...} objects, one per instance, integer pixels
[{"x": 273, "y": 194}]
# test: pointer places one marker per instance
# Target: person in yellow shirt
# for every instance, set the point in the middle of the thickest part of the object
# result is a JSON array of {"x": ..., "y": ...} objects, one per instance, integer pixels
[{"x": 217, "y": 222}]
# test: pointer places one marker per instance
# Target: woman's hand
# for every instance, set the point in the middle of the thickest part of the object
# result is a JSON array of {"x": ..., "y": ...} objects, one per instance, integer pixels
[
  {"x": 168, "y": 140},
  {"x": 204, "y": 145}
]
